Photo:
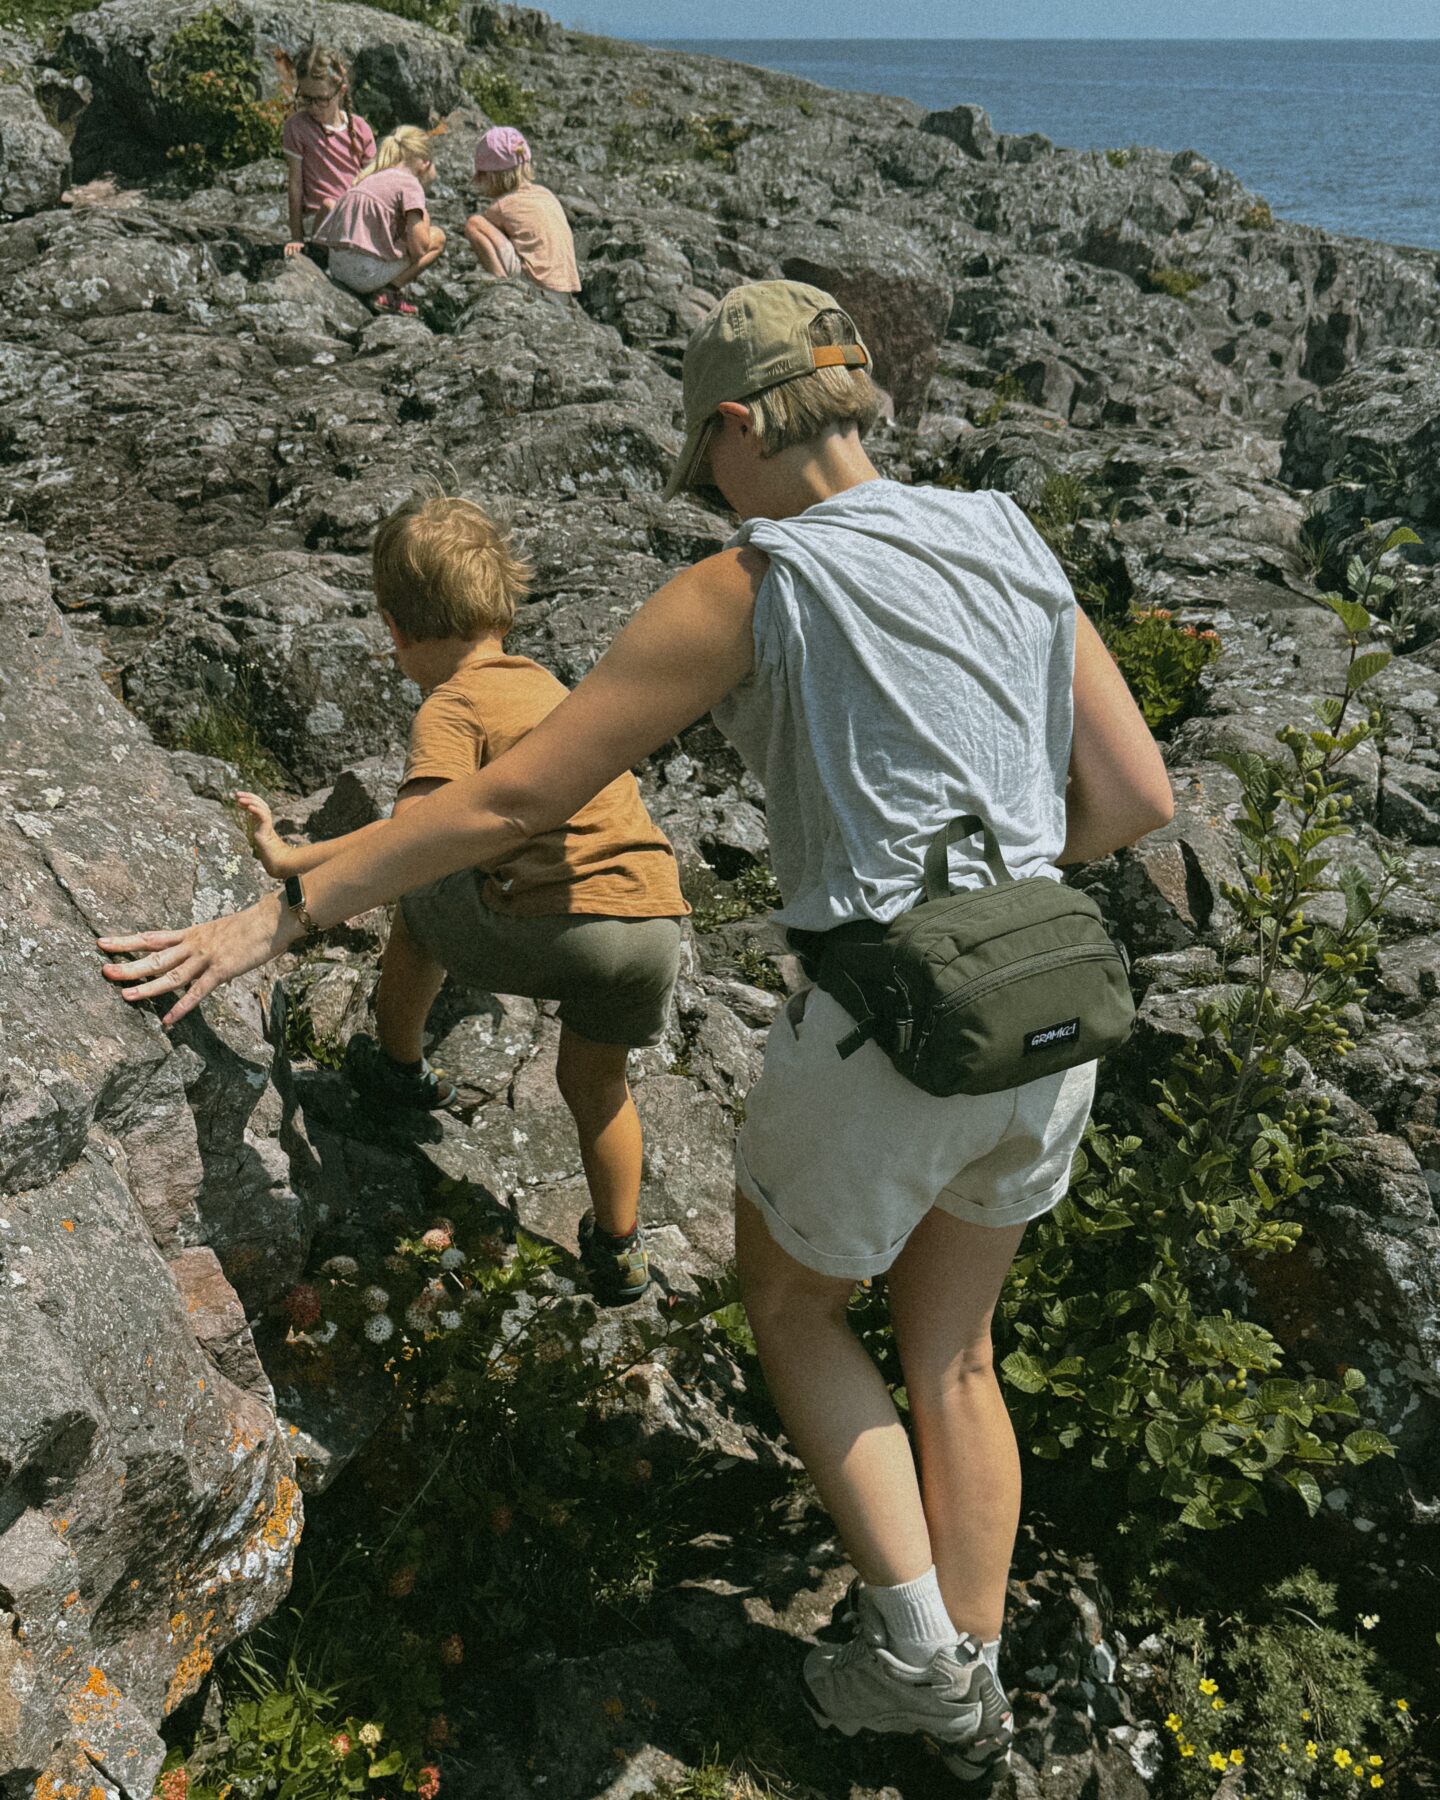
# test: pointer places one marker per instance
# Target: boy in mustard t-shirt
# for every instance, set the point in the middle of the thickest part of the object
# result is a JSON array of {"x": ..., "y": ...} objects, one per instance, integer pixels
[{"x": 588, "y": 914}]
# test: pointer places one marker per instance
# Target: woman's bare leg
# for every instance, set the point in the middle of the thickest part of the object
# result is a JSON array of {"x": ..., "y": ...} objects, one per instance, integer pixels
[
  {"x": 835, "y": 1407},
  {"x": 943, "y": 1290}
]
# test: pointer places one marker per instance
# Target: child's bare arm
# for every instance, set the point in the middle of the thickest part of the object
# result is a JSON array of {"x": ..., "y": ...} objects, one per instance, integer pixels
[
  {"x": 282, "y": 860},
  {"x": 294, "y": 195}
]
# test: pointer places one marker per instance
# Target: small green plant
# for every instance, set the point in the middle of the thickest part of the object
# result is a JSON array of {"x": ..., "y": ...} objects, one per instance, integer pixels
[
  {"x": 1161, "y": 660},
  {"x": 758, "y": 969},
  {"x": 1381, "y": 470},
  {"x": 1119, "y": 159},
  {"x": 304, "y": 1043},
  {"x": 1179, "y": 284},
  {"x": 1284, "y": 1694},
  {"x": 753, "y": 891},
  {"x": 439, "y": 15},
  {"x": 1004, "y": 393},
  {"x": 1126, "y": 1354},
  {"x": 31, "y": 15},
  {"x": 715, "y": 138},
  {"x": 624, "y": 144},
  {"x": 1314, "y": 546},
  {"x": 498, "y": 94},
  {"x": 1257, "y": 216},
  {"x": 207, "y": 89},
  {"x": 224, "y": 726}
]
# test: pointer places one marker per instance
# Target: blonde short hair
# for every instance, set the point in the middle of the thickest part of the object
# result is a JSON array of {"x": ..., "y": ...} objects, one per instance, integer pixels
[
  {"x": 443, "y": 568},
  {"x": 506, "y": 181},
  {"x": 795, "y": 411}
]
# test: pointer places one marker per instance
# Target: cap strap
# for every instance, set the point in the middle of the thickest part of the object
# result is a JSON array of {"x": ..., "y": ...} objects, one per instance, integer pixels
[{"x": 830, "y": 356}]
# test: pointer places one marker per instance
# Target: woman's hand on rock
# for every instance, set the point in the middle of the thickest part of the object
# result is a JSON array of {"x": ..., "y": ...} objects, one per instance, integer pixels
[
  {"x": 271, "y": 850},
  {"x": 201, "y": 958},
  {"x": 294, "y": 247}
]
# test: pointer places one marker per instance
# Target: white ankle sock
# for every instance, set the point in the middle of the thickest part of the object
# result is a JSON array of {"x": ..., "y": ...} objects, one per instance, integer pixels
[
  {"x": 991, "y": 1653},
  {"x": 915, "y": 1620}
]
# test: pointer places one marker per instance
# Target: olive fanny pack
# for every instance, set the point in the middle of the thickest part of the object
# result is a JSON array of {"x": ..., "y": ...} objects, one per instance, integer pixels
[{"x": 983, "y": 989}]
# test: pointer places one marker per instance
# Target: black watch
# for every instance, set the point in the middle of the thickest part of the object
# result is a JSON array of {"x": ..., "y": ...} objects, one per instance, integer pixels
[{"x": 295, "y": 900}]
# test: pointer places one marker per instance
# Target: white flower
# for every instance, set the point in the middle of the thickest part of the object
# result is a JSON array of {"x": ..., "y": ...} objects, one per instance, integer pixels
[
  {"x": 375, "y": 1299},
  {"x": 342, "y": 1267},
  {"x": 449, "y": 1321},
  {"x": 379, "y": 1328},
  {"x": 417, "y": 1317},
  {"x": 452, "y": 1259}
]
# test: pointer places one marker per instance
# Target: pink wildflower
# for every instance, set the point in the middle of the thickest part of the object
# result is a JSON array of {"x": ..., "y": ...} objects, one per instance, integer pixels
[
  {"x": 340, "y": 1743},
  {"x": 173, "y": 1784},
  {"x": 428, "y": 1785},
  {"x": 437, "y": 1238}
]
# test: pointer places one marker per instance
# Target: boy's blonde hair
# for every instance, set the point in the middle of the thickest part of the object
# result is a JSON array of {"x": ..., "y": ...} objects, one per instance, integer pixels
[
  {"x": 499, "y": 182},
  {"x": 443, "y": 568},
  {"x": 795, "y": 411},
  {"x": 406, "y": 143}
]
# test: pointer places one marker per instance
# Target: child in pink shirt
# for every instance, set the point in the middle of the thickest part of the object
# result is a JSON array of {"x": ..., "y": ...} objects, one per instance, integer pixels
[
  {"x": 525, "y": 231},
  {"x": 379, "y": 236},
  {"x": 325, "y": 147}
]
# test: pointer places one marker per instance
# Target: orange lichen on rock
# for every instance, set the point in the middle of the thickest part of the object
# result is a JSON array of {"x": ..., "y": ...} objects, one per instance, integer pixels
[
  {"x": 96, "y": 1700},
  {"x": 190, "y": 1671},
  {"x": 281, "y": 1522}
]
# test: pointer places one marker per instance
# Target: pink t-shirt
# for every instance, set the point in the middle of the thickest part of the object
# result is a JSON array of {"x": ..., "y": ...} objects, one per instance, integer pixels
[
  {"x": 330, "y": 156},
  {"x": 372, "y": 215}
]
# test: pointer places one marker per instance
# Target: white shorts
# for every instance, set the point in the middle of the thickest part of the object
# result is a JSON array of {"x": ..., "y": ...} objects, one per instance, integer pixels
[
  {"x": 361, "y": 272},
  {"x": 844, "y": 1157}
]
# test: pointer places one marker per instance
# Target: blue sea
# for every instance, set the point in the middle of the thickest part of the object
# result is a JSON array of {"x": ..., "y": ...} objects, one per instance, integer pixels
[{"x": 1342, "y": 133}]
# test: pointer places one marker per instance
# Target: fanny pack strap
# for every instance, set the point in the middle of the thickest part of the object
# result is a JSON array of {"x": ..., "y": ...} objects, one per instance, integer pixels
[{"x": 937, "y": 857}]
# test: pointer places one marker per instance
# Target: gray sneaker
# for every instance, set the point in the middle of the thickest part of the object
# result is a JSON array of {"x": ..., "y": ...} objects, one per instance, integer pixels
[{"x": 954, "y": 1699}]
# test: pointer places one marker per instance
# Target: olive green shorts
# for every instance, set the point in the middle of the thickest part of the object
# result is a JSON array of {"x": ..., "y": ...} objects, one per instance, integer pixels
[{"x": 612, "y": 977}]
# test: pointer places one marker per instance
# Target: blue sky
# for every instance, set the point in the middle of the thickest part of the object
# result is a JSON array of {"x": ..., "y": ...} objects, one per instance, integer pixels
[{"x": 1006, "y": 18}]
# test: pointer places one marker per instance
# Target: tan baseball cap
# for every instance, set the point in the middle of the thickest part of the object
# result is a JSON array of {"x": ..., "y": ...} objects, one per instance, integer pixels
[{"x": 759, "y": 334}]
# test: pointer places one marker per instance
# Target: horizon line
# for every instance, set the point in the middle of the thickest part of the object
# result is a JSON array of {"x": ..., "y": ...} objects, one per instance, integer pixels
[{"x": 1096, "y": 37}]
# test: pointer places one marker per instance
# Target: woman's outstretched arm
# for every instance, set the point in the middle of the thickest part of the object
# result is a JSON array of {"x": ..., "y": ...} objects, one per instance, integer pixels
[{"x": 682, "y": 652}]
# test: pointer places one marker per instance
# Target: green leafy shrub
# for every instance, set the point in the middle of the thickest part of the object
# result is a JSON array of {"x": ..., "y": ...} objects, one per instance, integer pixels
[
  {"x": 1257, "y": 217},
  {"x": 1281, "y": 1692},
  {"x": 1161, "y": 660},
  {"x": 1314, "y": 546},
  {"x": 498, "y": 94},
  {"x": 207, "y": 87},
  {"x": 1119, "y": 159},
  {"x": 1179, "y": 284},
  {"x": 34, "y": 15},
  {"x": 758, "y": 969},
  {"x": 1124, "y": 1355},
  {"x": 303, "y": 1041}
]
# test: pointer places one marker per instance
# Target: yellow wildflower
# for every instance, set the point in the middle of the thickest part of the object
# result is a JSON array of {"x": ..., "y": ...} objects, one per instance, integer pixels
[
  {"x": 1187, "y": 1749},
  {"x": 1312, "y": 1749},
  {"x": 1343, "y": 1758},
  {"x": 1402, "y": 1706},
  {"x": 1375, "y": 1761},
  {"x": 1207, "y": 1686},
  {"x": 1217, "y": 1704},
  {"x": 1173, "y": 1722},
  {"x": 1284, "y": 1748},
  {"x": 1237, "y": 1756},
  {"x": 1305, "y": 1714},
  {"x": 1377, "y": 1781},
  {"x": 1368, "y": 1621},
  {"x": 1217, "y": 1761}
]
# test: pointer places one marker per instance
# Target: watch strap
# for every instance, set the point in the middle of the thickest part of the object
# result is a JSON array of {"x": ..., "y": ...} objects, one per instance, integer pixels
[{"x": 295, "y": 900}]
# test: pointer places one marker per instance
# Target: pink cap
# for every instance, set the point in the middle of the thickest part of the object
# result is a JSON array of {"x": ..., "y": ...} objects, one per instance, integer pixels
[{"x": 502, "y": 147}]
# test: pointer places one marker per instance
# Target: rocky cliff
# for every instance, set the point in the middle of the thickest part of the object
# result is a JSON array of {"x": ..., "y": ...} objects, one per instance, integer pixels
[{"x": 197, "y": 438}]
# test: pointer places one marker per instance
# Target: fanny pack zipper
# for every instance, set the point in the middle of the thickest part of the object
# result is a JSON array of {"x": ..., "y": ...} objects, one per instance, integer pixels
[{"x": 1028, "y": 965}]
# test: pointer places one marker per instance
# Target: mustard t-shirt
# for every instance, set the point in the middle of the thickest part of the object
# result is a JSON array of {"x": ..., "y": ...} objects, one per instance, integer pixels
[{"x": 611, "y": 858}]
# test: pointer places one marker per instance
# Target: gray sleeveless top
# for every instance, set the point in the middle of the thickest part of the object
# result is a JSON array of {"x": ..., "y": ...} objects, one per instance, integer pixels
[{"x": 914, "y": 653}]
